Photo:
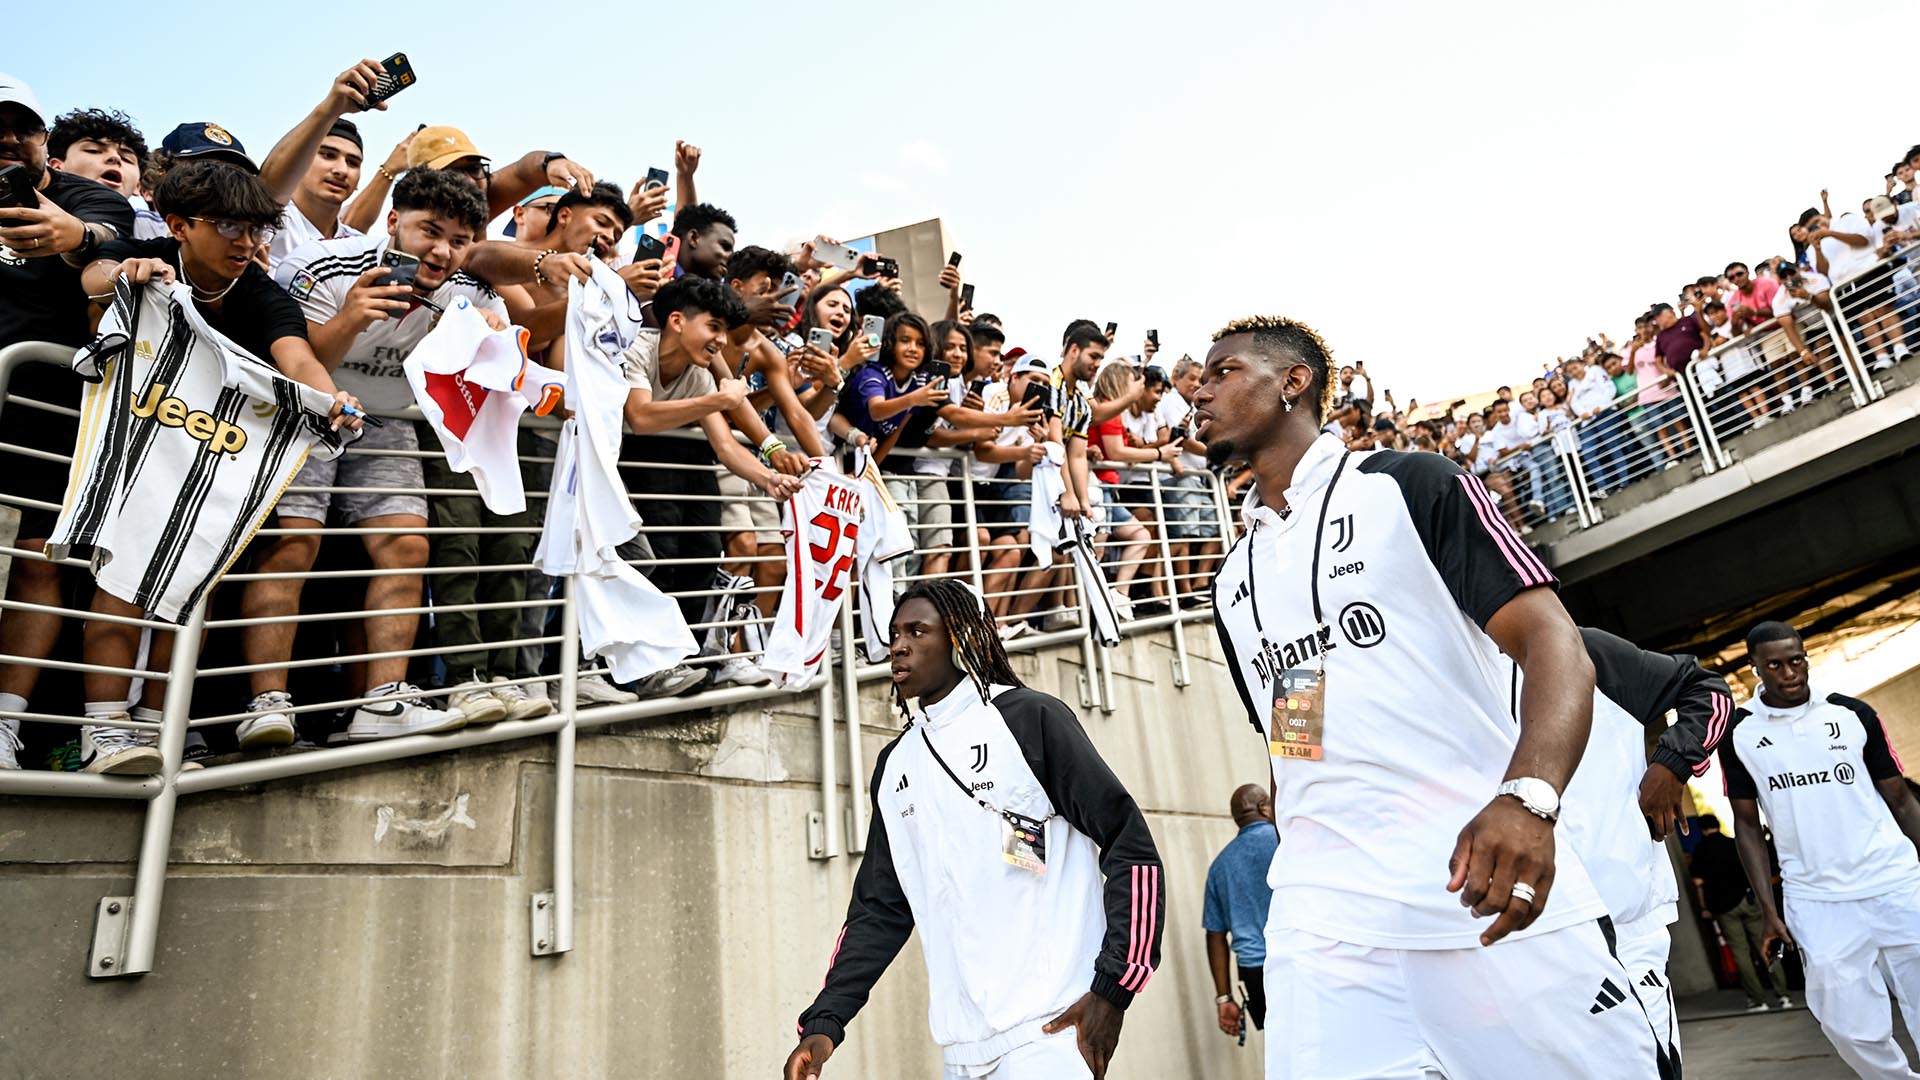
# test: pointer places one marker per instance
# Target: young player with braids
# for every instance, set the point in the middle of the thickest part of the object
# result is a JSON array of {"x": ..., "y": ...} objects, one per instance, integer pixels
[{"x": 999, "y": 832}]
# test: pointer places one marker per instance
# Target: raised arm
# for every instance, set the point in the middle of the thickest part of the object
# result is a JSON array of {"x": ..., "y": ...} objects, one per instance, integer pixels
[{"x": 287, "y": 162}]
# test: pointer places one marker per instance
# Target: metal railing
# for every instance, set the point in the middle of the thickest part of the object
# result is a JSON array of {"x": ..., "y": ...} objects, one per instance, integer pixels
[{"x": 1171, "y": 556}]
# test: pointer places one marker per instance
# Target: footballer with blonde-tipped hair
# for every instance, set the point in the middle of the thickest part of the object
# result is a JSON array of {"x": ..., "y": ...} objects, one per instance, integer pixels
[{"x": 1423, "y": 922}]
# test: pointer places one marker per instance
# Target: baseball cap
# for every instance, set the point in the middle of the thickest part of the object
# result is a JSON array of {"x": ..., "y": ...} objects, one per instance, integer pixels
[
  {"x": 12, "y": 89},
  {"x": 440, "y": 146},
  {"x": 1032, "y": 365},
  {"x": 542, "y": 193},
  {"x": 1012, "y": 355},
  {"x": 1883, "y": 208},
  {"x": 205, "y": 139}
]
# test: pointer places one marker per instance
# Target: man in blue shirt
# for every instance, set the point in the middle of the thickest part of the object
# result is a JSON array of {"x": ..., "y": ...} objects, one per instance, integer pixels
[{"x": 1236, "y": 907}]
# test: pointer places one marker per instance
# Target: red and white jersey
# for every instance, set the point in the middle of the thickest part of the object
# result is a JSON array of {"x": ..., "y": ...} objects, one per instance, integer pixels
[
  {"x": 473, "y": 383},
  {"x": 838, "y": 528}
]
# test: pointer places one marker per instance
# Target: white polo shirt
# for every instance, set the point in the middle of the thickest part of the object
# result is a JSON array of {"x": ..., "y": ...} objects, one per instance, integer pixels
[
  {"x": 1414, "y": 559},
  {"x": 1813, "y": 768}
]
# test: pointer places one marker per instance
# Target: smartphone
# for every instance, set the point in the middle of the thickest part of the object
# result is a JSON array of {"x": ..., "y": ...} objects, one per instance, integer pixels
[
  {"x": 403, "y": 267},
  {"x": 978, "y": 388},
  {"x": 16, "y": 191},
  {"x": 648, "y": 247},
  {"x": 953, "y": 259},
  {"x": 656, "y": 178},
  {"x": 1111, "y": 327},
  {"x": 397, "y": 76},
  {"x": 881, "y": 265},
  {"x": 1179, "y": 433},
  {"x": 792, "y": 290},
  {"x": 1154, "y": 336},
  {"x": 1774, "y": 954},
  {"x": 821, "y": 338},
  {"x": 939, "y": 369},
  {"x": 1039, "y": 395},
  {"x": 672, "y": 253},
  {"x": 966, "y": 295},
  {"x": 873, "y": 326},
  {"x": 836, "y": 255}
]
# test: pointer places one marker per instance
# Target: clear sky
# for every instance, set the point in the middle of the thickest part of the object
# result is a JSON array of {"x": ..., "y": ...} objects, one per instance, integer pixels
[{"x": 1452, "y": 193}]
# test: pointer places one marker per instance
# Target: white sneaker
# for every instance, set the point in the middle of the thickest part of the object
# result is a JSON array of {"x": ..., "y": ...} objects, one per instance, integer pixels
[
  {"x": 1761, "y": 421},
  {"x": 1785, "y": 1002},
  {"x": 1758, "y": 1006},
  {"x": 1881, "y": 362},
  {"x": 271, "y": 724},
  {"x": 1806, "y": 396},
  {"x": 519, "y": 704},
  {"x": 394, "y": 717},
  {"x": 118, "y": 751},
  {"x": 1009, "y": 631},
  {"x": 477, "y": 703},
  {"x": 1900, "y": 352},
  {"x": 740, "y": 671},
  {"x": 9, "y": 744},
  {"x": 1122, "y": 606},
  {"x": 1060, "y": 620},
  {"x": 594, "y": 689}
]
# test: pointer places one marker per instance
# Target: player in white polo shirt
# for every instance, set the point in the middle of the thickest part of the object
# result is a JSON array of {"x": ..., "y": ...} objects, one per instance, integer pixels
[
  {"x": 1847, "y": 828},
  {"x": 1363, "y": 614}
]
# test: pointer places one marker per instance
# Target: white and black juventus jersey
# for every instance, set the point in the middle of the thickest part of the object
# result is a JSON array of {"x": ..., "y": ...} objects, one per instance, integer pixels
[
  {"x": 1007, "y": 949},
  {"x": 1414, "y": 559},
  {"x": 185, "y": 443},
  {"x": 1813, "y": 768},
  {"x": 1633, "y": 692},
  {"x": 318, "y": 275}
]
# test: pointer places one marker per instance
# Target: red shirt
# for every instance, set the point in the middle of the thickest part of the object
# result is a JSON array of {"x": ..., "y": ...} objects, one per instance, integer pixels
[{"x": 1099, "y": 432}]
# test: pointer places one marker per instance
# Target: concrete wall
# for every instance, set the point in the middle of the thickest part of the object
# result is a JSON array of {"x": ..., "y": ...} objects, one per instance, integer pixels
[
  {"x": 1898, "y": 702},
  {"x": 374, "y": 923}
]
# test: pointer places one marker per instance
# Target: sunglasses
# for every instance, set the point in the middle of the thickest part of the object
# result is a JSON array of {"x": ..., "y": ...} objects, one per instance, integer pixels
[
  {"x": 480, "y": 171},
  {"x": 230, "y": 229}
]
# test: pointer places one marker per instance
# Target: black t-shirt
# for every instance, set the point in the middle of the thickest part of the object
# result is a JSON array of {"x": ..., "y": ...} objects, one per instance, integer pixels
[
  {"x": 1716, "y": 862},
  {"x": 41, "y": 298},
  {"x": 255, "y": 314}
]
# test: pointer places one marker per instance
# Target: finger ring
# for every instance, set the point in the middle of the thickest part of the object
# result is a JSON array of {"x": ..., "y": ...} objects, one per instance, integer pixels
[
  {"x": 36, "y": 242},
  {"x": 1523, "y": 891}
]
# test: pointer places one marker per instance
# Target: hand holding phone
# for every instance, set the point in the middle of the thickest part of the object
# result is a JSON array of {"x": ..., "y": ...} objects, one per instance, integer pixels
[
  {"x": 404, "y": 267},
  {"x": 872, "y": 327},
  {"x": 839, "y": 256},
  {"x": 397, "y": 75},
  {"x": 656, "y": 178},
  {"x": 16, "y": 193}
]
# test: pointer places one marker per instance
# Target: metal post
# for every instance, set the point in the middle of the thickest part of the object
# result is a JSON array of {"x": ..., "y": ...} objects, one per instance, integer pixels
[
  {"x": 973, "y": 527},
  {"x": 1181, "y": 675},
  {"x": 1697, "y": 415},
  {"x": 1862, "y": 386},
  {"x": 823, "y": 825},
  {"x": 553, "y": 933},
  {"x": 156, "y": 836},
  {"x": 856, "y": 839}
]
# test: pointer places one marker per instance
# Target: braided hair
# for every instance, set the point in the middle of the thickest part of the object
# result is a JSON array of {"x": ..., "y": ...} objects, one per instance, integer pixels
[{"x": 977, "y": 650}]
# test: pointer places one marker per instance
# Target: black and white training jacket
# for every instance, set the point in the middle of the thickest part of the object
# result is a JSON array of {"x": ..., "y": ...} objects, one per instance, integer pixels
[{"x": 1007, "y": 949}]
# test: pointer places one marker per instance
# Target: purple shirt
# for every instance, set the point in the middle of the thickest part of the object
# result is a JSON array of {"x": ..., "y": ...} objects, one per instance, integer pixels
[
  {"x": 871, "y": 380},
  {"x": 1677, "y": 343}
]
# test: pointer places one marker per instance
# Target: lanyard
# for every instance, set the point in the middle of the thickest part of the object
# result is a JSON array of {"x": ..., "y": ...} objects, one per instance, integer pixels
[{"x": 1313, "y": 582}]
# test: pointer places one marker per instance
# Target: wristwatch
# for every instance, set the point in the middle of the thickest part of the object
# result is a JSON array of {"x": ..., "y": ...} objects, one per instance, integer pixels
[
  {"x": 552, "y": 156},
  {"x": 1538, "y": 796},
  {"x": 1223, "y": 999}
]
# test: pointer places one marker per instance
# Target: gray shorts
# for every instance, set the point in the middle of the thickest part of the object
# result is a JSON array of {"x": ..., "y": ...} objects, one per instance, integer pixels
[
  {"x": 358, "y": 469},
  {"x": 1191, "y": 512},
  {"x": 748, "y": 509},
  {"x": 929, "y": 508}
]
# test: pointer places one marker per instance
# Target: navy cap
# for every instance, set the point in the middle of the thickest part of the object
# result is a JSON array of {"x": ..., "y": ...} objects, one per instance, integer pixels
[{"x": 202, "y": 139}]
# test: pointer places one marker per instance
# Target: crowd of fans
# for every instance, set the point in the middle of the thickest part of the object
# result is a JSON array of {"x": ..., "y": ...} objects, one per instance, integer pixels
[
  {"x": 762, "y": 358},
  {"x": 1742, "y": 334}
]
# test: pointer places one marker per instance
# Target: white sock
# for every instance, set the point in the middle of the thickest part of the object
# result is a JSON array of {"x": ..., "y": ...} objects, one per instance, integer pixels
[
  {"x": 146, "y": 716},
  {"x": 12, "y": 703},
  {"x": 102, "y": 712}
]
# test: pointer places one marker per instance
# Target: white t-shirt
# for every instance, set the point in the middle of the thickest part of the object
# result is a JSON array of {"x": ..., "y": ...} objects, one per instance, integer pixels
[
  {"x": 1813, "y": 768},
  {"x": 997, "y": 398},
  {"x": 297, "y": 232},
  {"x": 1500, "y": 438},
  {"x": 1844, "y": 260},
  {"x": 1360, "y": 388},
  {"x": 933, "y": 464},
  {"x": 1141, "y": 428},
  {"x": 1594, "y": 392},
  {"x": 320, "y": 273},
  {"x": 1784, "y": 302},
  {"x": 1175, "y": 411}
]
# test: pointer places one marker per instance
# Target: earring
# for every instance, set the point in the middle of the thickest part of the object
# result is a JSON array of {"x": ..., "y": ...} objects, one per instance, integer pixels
[{"x": 1285, "y": 404}]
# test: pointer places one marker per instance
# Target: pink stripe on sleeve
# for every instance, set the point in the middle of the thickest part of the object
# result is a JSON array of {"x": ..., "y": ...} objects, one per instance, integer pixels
[{"x": 1503, "y": 537}]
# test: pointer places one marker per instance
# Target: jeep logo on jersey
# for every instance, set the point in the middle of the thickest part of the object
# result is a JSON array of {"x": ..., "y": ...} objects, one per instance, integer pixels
[
  {"x": 1783, "y": 781},
  {"x": 1843, "y": 772},
  {"x": 220, "y": 436},
  {"x": 1362, "y": 624},
  {"x": 1342, "y": 533}
]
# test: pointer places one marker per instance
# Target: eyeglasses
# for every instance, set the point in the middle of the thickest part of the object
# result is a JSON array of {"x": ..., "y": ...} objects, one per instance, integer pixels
[
  {"x": 22, "y": 126},
  {"x": 233, "y": 230},
  {"x": 480, "y": 171}
]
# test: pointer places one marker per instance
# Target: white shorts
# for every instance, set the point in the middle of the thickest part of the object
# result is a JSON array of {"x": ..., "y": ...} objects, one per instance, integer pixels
[
  {"x": 1050, "y": 1057},
  {"x": 1642, "y": 946},
  {"x": 1852, "y": 949},
  {"x": 1557, "y": 1004}
]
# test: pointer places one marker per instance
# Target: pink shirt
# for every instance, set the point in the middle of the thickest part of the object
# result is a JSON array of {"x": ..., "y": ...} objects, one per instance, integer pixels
[
  {"x": 1760, "y": 300},
  {"x": 1648, "y": 369}
]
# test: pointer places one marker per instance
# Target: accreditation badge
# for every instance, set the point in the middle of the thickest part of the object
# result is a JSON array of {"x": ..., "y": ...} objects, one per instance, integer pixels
[
  {"x": 1298, "y": 726},
  {"x": 1023, "y": 841}
]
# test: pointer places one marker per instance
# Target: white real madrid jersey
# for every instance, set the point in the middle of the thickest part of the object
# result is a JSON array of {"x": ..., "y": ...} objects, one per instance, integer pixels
[{"x": 185, "y": 444}]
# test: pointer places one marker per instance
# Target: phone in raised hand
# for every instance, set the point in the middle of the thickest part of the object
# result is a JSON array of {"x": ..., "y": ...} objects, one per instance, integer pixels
[
  {"x": 966, "y": 296},
  {"x": 839, "y": 256},
  {"x": 821, "y": 338},
  {"x": 648, "y": 247},
  {"x": 16, "y": 193},
  {"x": 792, "y": 290},
  {"x": 873, "y": 326},
  {"x": 397, "y": 75},
  {"x": 656, "y": 178}
]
